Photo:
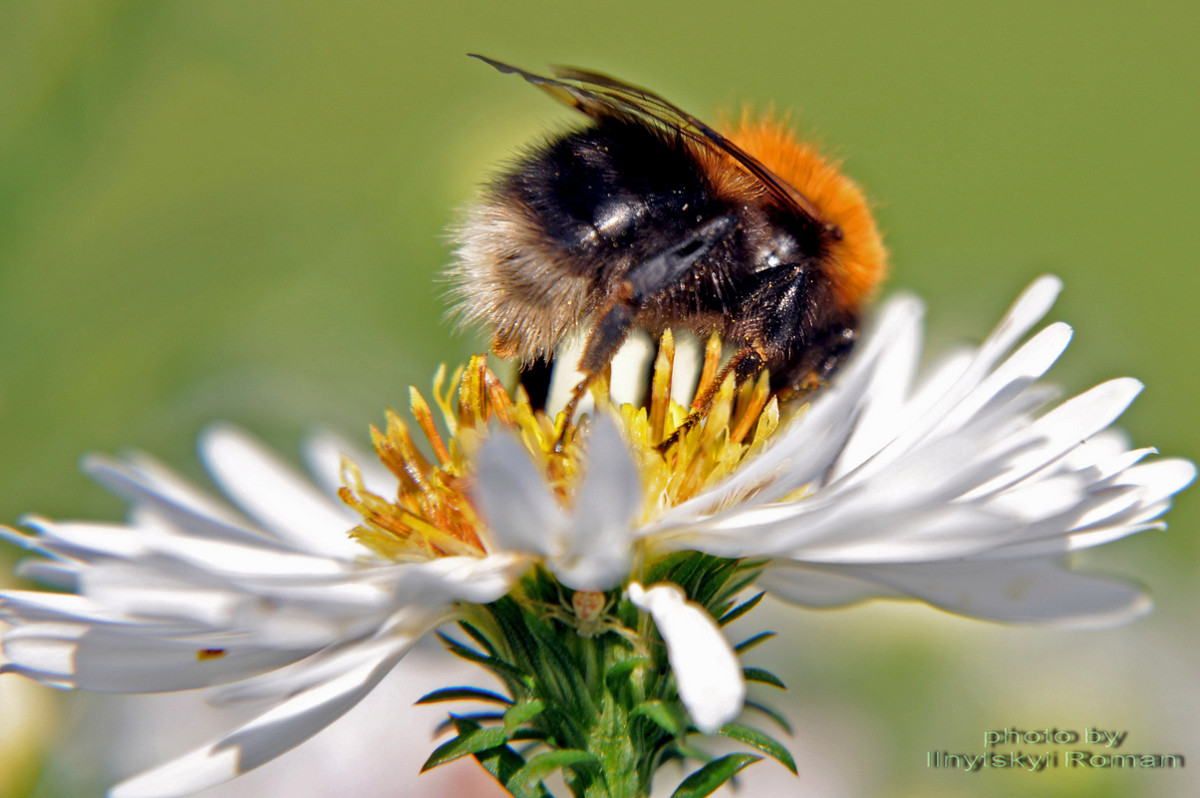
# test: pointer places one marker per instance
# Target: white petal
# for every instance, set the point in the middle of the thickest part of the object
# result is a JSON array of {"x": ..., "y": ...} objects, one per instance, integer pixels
[
  {"x": 179, "y": 512},
  {"x": 884, "y": 407},
  {"x": 275, "y": 496},
  {"x": 263, "y": 738},
  {"x": 1064, "y": 427},
  {"x": 165, "y": 482},
  {"x": 514, "y": 500},
  {"x": 1025, "y": 312},
  {"x": 85, "y": 540},
  {"x": 450, "y": 579},
  {"x": 685, "y": 373},
  {"x": 323, "y": 451},
  {"x": 818, "y": 586},
  {"x": 327, "y": 665},
  {"x": 1033, "y": 359},
  {"x": 169, "y": 609},
  {"x": 609, "y": 500},
  {"x": 707, "y": 671},
  {"x": 1161, "y": 478},
  {"x": 1020, "y": 591},
  {"x": 103, "y": 661},
  {"x": 566, "y": 376},
  {"x": 631, "y": 364}
]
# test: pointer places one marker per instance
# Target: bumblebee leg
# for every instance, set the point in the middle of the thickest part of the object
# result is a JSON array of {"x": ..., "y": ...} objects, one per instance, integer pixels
[
  {"x": 643, "y": 281},
  {"x": 745, "y": 363}
]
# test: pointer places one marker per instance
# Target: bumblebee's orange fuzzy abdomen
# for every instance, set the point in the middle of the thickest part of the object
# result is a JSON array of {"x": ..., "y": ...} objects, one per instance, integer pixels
[{"x": 858, "y": 262}]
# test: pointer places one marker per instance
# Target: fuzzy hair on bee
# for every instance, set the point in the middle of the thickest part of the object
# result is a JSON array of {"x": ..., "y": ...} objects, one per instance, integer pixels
[{"x": 647, "y": 218}]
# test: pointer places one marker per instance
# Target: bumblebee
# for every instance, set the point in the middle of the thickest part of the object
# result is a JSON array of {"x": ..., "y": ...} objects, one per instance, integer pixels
[{"x": 648, "y": 218}]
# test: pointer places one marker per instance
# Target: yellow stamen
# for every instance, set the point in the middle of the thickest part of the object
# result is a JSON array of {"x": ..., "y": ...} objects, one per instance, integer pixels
[
  {"x": 710, "y": 369},
  {"x": 660, "y": 385},
  {"x": 751, "y": 400},
  {"x": 421, "y": 412},
  {"x": 432, "y": 514}
]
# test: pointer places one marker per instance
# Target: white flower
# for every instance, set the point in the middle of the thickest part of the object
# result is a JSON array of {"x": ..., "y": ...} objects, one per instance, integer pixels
[
  {"x": 191, "y": 594},
  {"x": 955, "y": 489}
]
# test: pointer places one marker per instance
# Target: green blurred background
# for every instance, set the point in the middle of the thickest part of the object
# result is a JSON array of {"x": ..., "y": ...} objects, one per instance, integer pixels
[{"x": 236, "y": 210}]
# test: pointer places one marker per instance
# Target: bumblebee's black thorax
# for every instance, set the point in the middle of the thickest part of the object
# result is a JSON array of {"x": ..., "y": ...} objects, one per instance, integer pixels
[
  {"x": 612, "y": 186},
  {"x": 617, "y": 192}
]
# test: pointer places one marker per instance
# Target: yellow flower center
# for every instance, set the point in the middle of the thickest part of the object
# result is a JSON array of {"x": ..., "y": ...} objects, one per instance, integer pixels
[{"x": 678, "y": 451}]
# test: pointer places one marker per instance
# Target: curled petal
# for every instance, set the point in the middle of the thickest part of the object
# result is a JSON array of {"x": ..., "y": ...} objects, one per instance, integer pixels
[
  {"x": 599, "y": 552},
  {"x": 513, "y": 498},
  {"x": 706, "y": 669}
]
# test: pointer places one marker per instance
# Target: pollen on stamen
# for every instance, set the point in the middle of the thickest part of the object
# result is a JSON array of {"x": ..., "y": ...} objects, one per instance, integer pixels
[{"x": 678, "y": 450}]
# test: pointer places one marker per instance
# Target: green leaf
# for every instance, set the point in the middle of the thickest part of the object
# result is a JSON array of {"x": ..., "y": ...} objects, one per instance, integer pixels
[
  {"x": 464, "y": 694},
  {"x": 668, "y": 718},
  {"x": 522, "y": 712},
  {"x": 542, "y": 765},
  {"x": 471, "y": 742},
  {"x": 741, "y": 609},
  {"x": 750, "y": 643},
  {"x": 779, "y": 719},
  {"x": 709, "y": 778},
  {"x": 763, "y": 677},
  {"x": 763, "y": 742}
]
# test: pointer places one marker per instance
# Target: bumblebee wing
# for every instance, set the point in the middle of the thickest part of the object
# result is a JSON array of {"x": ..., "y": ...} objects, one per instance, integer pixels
[{"x": 600, "y": 96}]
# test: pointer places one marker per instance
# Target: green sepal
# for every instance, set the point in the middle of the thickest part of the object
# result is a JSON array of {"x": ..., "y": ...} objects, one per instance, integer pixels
[
  {"x": 479, "y": 637},
  {"x": 622, "y": 669},
  {"x": 751, "y": 642},
  {"x": 526, "y": 734},
  {"x": 667, "y": 717},
  {"x": 741, "y": 609},
  {"x": 762, "y": 676},
  {"x": 547, "y": 762},
  {"x": 502, "y": 762},
  {"x": 477, "y": 718},
  {"x": 779, "y": 719},
  {"x": 684, "y": 750},
  {"x": 464, "y": 694},
  {"x": 505, "y": 670},
  {"x": 521, "y": 712},
  {"x": 709, "y": 778},
  {"x": 470, "y": 742},
  {"x": 763, "y": 742},
  {"x": 750, "y": 570}
]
